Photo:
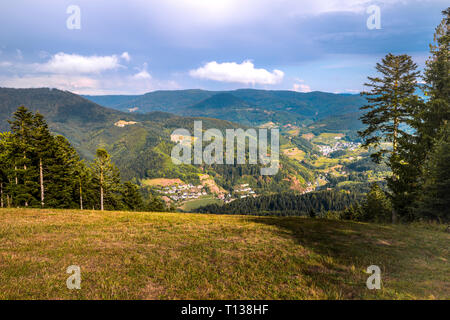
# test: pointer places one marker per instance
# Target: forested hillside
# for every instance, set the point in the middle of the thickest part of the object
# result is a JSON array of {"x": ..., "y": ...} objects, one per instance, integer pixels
[
  {"x": 139, "y": 144},
  {"x": 248, "y": 106},
  {"x": 289, "y": 204}
]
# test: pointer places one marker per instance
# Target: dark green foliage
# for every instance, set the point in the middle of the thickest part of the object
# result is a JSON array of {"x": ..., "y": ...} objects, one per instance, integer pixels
[
  {"x": 338, "y": 154},
  {"x": 131, "y": 197},
  {"x": 391, "y": 109},
  {"x": 60, "y": 174},
  {"x": 376, "y": 207},
  {"x": 434, "y": 199},
  {"x": 41, "y": 170},
  {"x": 417, "y": 131},
  {"x": 156, "y": 204},
  {"x": 430, "y": 177},
  {"x": 389, "y": 104},
  {"x": 437, "y": 86},
  {"x": 287, "y": 204}
]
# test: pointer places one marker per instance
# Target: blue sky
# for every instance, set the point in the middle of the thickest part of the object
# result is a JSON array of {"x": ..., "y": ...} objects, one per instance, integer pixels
[{"x": 137, "y": 46}]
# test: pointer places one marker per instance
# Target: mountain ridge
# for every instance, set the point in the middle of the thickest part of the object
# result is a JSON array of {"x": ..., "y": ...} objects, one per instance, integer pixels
[{"x": 246, "y": 106}]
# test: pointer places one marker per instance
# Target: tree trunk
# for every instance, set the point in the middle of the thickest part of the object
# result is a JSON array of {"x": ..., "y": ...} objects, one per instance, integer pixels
[
  {"x": 41, "y": 179},
  {"x": 8, "y": 201},
  {"x": 25, "y": 169},
  {"x": 81, "y": 197},
  {"x": 1, "y": 195},
  {"x": 15, "y": 173},
  {"x": 394, "y": 141},
  {"x": 394, "y": 216},
  {"x": 101, "y": 189}
]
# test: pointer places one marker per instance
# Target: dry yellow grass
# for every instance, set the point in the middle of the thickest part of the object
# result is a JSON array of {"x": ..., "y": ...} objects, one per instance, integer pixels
[
  {"x": 294, "y": 153},
  {"x": 162, "y": 182},
  {"x": 124, "y": 255}
]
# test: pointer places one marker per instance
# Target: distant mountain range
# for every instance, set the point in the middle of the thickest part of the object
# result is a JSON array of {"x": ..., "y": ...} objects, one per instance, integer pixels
[
  {"x": 248, "y": 106},
  {"x": 140, "y": 142}
]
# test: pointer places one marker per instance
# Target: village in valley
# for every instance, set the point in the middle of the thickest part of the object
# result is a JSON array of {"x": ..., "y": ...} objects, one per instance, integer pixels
[
  {"x": 180, "y": 194},
  {"x": 326, "y": 150},
  {"x": 327, "y": 161}
]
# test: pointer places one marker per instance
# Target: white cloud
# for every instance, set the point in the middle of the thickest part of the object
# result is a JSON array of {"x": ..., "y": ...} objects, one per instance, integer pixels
[
  {"x": 63, "y": 82},
  {"x": 64, "y": 63},
  {"x": 244, "y": 72},
  {"x": 126, "y": 56},
  {"x": 301, "y": 87},
  {"x": 143, "y": 74},
  {"x": 92, "y": 84}
]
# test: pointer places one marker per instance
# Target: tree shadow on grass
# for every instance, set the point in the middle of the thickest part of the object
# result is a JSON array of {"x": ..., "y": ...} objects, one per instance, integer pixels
[{"x": 341, "y": 251}]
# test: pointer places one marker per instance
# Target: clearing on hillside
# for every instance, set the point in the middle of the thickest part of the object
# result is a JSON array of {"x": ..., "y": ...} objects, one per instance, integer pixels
[{"x": 124, "y": 255}]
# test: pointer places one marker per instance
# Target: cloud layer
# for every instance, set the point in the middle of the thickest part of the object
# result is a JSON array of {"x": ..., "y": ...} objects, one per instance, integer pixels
[
  {"x": 208, "y": 44},
  {"x": 77, "y": 64},
  {"x": 244, "y": 73}
]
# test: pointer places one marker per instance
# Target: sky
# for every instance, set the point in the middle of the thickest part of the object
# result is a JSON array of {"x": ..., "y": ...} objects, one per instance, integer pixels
[{"x": 137, "y": 46}]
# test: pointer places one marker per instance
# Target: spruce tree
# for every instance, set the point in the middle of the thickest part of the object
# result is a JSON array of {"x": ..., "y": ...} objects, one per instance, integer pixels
[
  {"x": 63, "y": 174},
  {"x": 43, "y": 143},
  {"x": 131, "y": 197},
  {"x": 27, "y": 187},
  {"x": 376, "y": 207},
  {"x": 390, "y": 101},
  {"x": 434, "y": 200},
  {"x": 437, "y": 86},
  {"x": 5, "y": 169},
  {"x": 431, "y": 116}
]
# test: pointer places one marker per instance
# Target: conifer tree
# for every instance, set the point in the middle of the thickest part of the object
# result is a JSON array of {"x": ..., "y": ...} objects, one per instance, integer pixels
[
  {"x": 23, "y": 149},
  {"x": 377, "y": 206},
  {"x": 437, "y": 86},
  {"x": 63, "y": 174},
  {"x": 430, "y": 116},
  {"x": 107, "y": 178},
  {"x": 390, "y": 101},
  {"x": 43, "y": 142},
  {"x": 5, "y": 166},
  {"x": 131, "y": 197},
  {"x": 434, "y": 199}
]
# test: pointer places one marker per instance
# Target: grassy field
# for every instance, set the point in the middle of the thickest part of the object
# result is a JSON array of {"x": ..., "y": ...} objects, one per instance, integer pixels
[
  {"x": 327, "y": 138},
  {"x": 187, "y": 256},
  {"x": 197, "y": 203},
  {"x": 294, "y": 153}
]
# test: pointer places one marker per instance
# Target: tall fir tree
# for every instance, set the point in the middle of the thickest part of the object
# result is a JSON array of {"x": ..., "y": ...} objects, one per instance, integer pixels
[
  {"x": 390, "y": 101},
  {"x": 5, "y": 168},
  {"x": 26, "y": 174},
  {"x": 430, "y": 117},
  {"x": 44, "y": 144},
  {"x": 437, "y": 86},
  {"x": 434, "y": 199},
  {"x": 63, "y": 174}
]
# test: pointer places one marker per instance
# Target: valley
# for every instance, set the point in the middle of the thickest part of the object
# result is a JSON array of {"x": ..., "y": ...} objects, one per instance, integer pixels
[{"x": 140, "y": 143}]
